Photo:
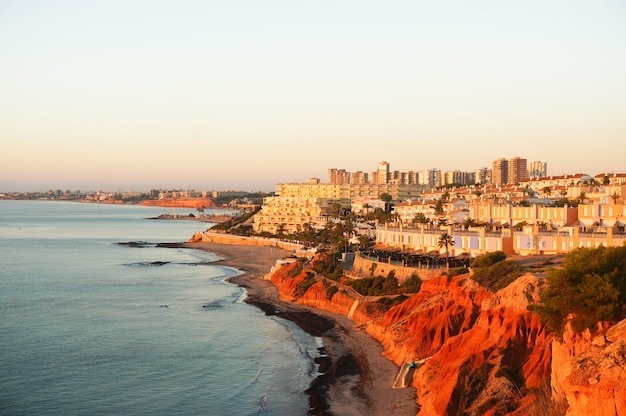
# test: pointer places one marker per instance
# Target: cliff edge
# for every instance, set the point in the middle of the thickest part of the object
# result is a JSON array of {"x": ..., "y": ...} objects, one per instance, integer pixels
[{"x": 477, "y": 352}]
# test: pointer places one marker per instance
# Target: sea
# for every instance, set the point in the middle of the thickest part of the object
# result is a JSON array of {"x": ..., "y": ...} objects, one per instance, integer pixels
[{"x": 89, "y": 326}]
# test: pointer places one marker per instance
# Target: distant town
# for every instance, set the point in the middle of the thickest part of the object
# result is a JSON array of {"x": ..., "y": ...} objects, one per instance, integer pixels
[
  {"x": 514, "y": 206},
  {"x": 187, "y": 198}
]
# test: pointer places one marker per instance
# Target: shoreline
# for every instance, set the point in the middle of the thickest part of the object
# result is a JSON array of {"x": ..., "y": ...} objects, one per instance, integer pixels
[{"x": 355, "y": 378}]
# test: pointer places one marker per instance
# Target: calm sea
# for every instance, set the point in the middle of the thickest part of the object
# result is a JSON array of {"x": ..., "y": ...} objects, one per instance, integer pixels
[{"x": 92, "y": 327}]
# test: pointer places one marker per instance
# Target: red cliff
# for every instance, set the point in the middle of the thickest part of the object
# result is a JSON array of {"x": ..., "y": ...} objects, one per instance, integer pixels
[
  {"x": 590, "y": 372},
  {"x": 482, "y": 353}
]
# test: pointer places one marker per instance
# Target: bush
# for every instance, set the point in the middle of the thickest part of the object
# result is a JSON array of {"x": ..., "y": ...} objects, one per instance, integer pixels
[
  {"x": 413, "y": 284},
  {"x": 330, "y": 291},
  {"x": 457, "y": 271},
  {"x": 296, "y": 270},
  {"x": 375, "y": 286},
  {"x": 489, "y": 259},
  {"x": 498, "y": 276},
  {"x": 304, "y": 285},
  {"x": 328, "y": 266},
  {"x": 591, "y": 285}
]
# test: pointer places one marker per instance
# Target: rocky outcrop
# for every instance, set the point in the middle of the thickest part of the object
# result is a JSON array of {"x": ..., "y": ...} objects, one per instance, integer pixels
[
  {"x": 590, "y": 372},
  {"x": 317, "y": 295}
]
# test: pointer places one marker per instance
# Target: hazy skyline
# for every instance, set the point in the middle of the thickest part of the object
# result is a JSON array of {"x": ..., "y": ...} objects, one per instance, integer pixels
[{"x": 246, "y": 94}]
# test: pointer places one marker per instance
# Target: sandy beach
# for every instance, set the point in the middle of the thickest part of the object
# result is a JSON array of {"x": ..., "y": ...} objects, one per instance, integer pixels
[{"x": 356, "y": 379}]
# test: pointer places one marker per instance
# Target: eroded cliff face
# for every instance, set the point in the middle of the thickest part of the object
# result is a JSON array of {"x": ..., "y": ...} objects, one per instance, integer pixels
[
  {"x": 485, "y": 353},
  {"x": 316, "y": 295},
  {"x": 483, "y": 350},
  {"x": 590, "y": 372}
]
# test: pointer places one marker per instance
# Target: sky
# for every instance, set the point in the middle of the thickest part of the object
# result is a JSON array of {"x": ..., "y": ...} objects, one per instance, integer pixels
[{"x": 133, "y": 95}]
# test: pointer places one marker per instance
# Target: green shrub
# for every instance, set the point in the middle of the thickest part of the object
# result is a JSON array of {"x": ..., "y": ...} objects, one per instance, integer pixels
[
  {"x": 304, "y": 285},
  {"x": 330, "y": 291},
  {"x": 375, "y": 286},
  {"x": 591, "y": 285},
  {"x": 297, "y": 269},
  {"x": 489, "y": 259},
  {"x": 413, "y": 284},
  {"x": 498, "y": 276},
  {"x": 457, "y": 271}
]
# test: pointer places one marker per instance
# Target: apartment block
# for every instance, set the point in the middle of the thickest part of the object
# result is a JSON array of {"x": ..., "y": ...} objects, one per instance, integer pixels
[
  {"x": 517, "y": 170},
  {"x": 537, "y": 169},
  {"x": 338, "y": 176},
  {"x": 500, "y": 172}
]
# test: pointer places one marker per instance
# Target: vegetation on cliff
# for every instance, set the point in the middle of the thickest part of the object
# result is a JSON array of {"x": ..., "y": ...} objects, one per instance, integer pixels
[
  {"x": 590, "y": 287},
  {"x": 238, "y": 225},
  {"x": 494, "y": 272}
]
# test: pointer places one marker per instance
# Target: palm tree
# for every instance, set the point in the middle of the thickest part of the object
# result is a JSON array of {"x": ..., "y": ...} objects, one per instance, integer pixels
[
  {"x": 439, "y": 207},
  {"x": 468, "y": 222},
  {"x": 582, "y": 197},
  {"x": 280, "y": 229},
  {"x": 364, "y": 241},
  {"x": 547, "y": 191},
  {"x": 615, "y": 196},
  {"x": 420, "y": 218},
  {"x": 446, "y": 240}
]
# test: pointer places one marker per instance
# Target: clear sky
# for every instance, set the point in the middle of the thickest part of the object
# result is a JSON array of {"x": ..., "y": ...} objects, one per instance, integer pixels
[{"x": 245, "y": 94}]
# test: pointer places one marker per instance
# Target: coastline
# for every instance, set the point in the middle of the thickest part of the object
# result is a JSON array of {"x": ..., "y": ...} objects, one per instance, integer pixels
[{"x": 355, "y": 378}]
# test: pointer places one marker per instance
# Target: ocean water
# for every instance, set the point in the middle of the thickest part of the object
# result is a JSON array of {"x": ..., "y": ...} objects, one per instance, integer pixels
[{"x": 92, "y": 327}]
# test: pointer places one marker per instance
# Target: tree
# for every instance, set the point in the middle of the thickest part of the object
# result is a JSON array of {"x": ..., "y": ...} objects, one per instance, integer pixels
[
  {"x": 615, "y": 196},
  {"x": 420, "y": 218},
  {"x": 530, "y": 192},
  {"x": 446, "y": 240},
  {"x": 364, "y": 241},
  {"x": 582, "y": 197},
  {"x": 547, "y": 191},
  {"x": 439, "y": 207},
  {"x": 606, "y": 180},
  {"x": 387, "y": 199},
  {"x": 469, "y": 222},
  {"x": 589, "y": 287},
  {"x": 280, "y": 229}
]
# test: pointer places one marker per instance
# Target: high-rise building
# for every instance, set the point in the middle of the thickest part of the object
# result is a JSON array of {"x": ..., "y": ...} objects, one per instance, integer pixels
[
  {"x": 358, "y": 177},
  {"x": 500, "y": 172},
  {"x": 482, "y": 176},
  {"x": 431, "y": 178},
  {"x": 338, "y": 176},
  {"x": 538, "y": 169},
  {"x": 382, "y": 174},
  {"x": 517, "y": 170}
]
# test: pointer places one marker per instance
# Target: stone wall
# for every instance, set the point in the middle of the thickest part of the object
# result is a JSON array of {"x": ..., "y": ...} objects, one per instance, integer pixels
[
  {"x": 362, "y": 267},
  {"x": 219, "y": 238}
]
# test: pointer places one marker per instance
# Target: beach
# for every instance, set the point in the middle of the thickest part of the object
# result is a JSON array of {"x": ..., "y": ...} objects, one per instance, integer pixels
[{"x": 356, "y": 379}]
